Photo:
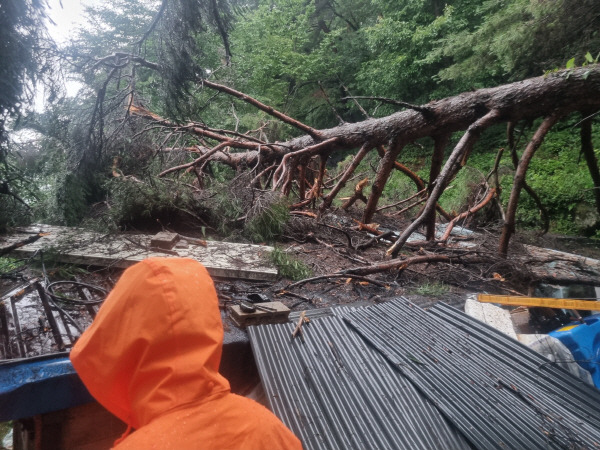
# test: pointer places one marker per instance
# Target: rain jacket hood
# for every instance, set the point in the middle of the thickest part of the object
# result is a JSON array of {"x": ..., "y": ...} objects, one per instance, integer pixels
[{"x": 155, "y": 345}]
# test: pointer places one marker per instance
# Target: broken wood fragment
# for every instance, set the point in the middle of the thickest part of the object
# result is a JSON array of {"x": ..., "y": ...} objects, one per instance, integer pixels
[
  {"x": 29, "y": 240},
  {"x": 489, "y": 196},
  {"x": 298, "y": 330}
]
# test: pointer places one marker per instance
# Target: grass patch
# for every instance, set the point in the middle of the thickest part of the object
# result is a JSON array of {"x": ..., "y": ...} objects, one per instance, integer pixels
[
  {"x": 434, "y": 289},
  {"x": 289, "y": 266},
  {"x": 8, "y": 264}
]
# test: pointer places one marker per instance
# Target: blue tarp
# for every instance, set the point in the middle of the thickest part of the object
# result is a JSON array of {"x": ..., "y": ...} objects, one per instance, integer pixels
[{"x": 40, "y": 385}]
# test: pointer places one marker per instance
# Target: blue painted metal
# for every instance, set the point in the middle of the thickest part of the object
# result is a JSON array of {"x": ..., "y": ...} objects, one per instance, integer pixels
[
  {"x": 31, "y": 386},
  {"x": 39, "y": 385},
  {"x": 583, "y": 340}
]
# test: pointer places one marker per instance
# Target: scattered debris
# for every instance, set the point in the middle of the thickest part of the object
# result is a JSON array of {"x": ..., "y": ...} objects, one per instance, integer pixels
[{"x": 38, "y": 319}]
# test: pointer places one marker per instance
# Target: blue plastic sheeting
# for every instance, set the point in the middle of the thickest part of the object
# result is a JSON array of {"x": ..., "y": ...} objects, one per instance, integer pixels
[
  {"x": 37, "y": 386},
  {"x": 583, "y": 340}
]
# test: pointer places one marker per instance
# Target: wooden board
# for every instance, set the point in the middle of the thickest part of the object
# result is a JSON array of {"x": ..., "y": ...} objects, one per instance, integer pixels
[
  {"x": 260, "y": 317},
  {"x": 560, "y": 303},
  {"x": 79, "y": 246},
  {"x": 551, "y": 265}
]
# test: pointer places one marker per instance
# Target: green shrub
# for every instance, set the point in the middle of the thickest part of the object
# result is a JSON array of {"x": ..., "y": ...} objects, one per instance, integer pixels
[
  {"x": 269, "y": 223},
  {"x": 8, "y": 264},
  {"x": 289, "y": 266},
  {"x": 223, "y": 207},
  {"x": 138, "y": 203},
  {"x": 433, "y": 289}
]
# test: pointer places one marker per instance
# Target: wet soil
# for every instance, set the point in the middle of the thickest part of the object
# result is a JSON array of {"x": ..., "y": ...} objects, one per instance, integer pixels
[{"x": 329, "y": 246}]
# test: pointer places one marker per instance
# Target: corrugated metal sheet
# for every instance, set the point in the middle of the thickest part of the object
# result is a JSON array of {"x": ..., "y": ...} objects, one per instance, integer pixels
[
  {"x": 335, "y": 392},
  {"x": 496, "y": 391}
]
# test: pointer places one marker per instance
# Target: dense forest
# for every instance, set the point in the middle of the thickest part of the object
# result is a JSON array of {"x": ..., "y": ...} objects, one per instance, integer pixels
[{"x": 227, "y": 116}]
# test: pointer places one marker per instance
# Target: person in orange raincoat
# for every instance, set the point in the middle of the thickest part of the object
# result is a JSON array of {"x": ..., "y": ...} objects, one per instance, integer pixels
[{"x": 152, "y": 355}]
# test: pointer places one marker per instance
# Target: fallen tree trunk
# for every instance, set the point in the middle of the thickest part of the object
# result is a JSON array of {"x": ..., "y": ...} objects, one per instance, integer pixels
[
  {"x": 554, "y": 95},
  {"x": 523, "y": 100}
]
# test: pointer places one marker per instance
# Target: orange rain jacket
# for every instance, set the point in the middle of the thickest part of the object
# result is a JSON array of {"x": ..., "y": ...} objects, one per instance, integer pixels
[{"x": 152, "y": 355}]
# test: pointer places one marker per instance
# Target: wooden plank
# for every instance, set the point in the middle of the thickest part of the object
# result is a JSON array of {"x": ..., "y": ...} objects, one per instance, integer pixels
[
  {"x": 243, "y": 319},
  {"x": 560, "y": 303},
  {"x": 84, "y": 427},
  {"x": 551, "y": 265},
  {"x": 79, "y": 246}
]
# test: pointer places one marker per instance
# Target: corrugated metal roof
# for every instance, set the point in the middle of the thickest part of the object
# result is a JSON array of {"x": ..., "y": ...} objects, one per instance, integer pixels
[
  {"x": 335, "y": 392},
  {"x": 496, "y": 391}
]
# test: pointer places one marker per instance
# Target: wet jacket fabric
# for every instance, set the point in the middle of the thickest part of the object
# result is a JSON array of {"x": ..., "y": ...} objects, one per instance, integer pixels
[{"x": 151, "y": 357}]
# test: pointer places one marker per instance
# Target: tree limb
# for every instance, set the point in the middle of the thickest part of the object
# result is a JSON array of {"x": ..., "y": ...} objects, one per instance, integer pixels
[
  {"x": 511, "y": 210},
  {"x": 465, "y": 143}
]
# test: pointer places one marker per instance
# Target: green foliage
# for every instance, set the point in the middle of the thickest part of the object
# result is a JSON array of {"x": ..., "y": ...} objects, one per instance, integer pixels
[
  {"x": 401, "y": 39},
  {"x": 284, "y": 50},
  {"x": 398, "y": 187},
  {"x": 24, "y": 54},
  {"x": 432, "y": 289},
  {"x": 560, "y": 178},
  {"x": 5, "y": 428},
  {"x": 224, "y": 208},
  {"x": 71, "y": 198},
  {"x": 8, "y": 264},
  {"x": 141, "y": 204},
  {"x": 459, "y": 192},
  {"x": 289, "y": 266},
  {"x": 269, "y": 223},
  {"x": 515, "y": 39}
]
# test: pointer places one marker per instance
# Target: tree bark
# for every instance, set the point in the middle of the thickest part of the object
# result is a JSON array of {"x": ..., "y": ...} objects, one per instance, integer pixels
[
  {"x": 437, "y": 159},
  {"x": 536, "y": 198},
  {"x": 364, "y": 150},
  {"x": 386, "y": 165},
  {"x": 463, "y": 146},
  {"x": 528, "y": 99},
  {"x": 511, "y": 210},
  {"x": 587, "y": 148}
]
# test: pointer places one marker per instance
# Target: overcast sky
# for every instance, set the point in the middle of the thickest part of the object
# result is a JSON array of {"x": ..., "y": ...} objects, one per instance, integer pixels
[{"x": 66, "y": 17}]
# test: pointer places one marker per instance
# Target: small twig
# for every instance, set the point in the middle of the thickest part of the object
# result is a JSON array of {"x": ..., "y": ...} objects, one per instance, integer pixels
[
  {"x": 350, "y": 244},
  {"x": 336, "y": 275},
  {"x": 426, "y": 111},
  {"x": 375, "y": 239},
  {"x": 401, "y": 202},
  {"x": 292, "y": 294}
]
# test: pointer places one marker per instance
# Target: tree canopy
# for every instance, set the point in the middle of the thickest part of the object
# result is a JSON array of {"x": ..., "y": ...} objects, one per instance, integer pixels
[{"x": 297, "y": 98}]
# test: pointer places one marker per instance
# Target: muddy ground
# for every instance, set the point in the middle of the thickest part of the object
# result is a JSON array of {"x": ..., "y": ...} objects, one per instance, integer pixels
[{"x": 329, "y": 245}]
